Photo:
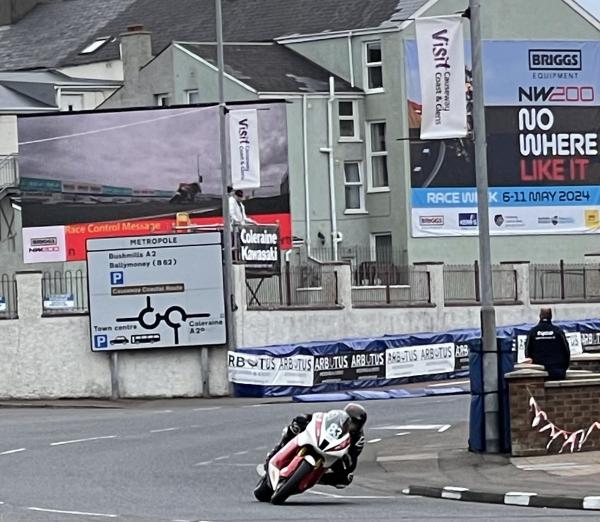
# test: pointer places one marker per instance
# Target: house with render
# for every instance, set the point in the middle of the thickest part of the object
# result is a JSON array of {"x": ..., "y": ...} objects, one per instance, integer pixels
[{"x": 359, "y": 175}]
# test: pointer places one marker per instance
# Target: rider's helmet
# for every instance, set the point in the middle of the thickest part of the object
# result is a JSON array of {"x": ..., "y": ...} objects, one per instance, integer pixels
[{"x": 358, "y": 416}]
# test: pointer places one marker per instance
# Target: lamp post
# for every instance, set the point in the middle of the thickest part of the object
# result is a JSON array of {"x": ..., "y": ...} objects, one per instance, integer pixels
[
  {"x": 488, "y": 316},
  {"x": 226, "y": 182}
]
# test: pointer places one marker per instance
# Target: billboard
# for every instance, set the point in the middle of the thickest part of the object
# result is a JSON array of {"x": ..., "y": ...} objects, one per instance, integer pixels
[
  {"x": 129, "y": 172},
  {"x": 147, "y": 291},
  {"x": 543, "y": 119}
]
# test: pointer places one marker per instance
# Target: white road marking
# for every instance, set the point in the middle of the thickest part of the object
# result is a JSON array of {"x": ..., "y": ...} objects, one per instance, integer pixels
[
  {"x": 444, "y": 428},
  {"x": 234, "y": 464},
  {"x": 416, "y": 456},
  {"x": 222, "y": 457},
  {"x": 80, "y": 513},
  {"x": 205, "y": 463},
  {"x": 410, "y": 427},
  {"x": 9, "y": 452},
  {"x": 373, "y": 441},
  {"x": 164, "y": 429},
  {"x": 207, "y": 408},
  {"x": 402, "y": 433},
  {"x": 451, "y": 383},
  {"x": 254, "y": 406},
  {"x": 62, "y": 442},
  {"x": 165, "y": 411},
  {"x": 260, "y": 448},
  {"x": 333, "y": 495},
  {"x": 241, "y": 452}
]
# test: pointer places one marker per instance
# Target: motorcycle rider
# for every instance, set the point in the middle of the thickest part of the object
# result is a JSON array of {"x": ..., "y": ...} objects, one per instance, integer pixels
[{"x": 341, "y": 472}]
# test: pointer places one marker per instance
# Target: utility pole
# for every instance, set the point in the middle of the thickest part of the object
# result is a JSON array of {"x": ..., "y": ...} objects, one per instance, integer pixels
[
  {"x": 226, "y": 182},
  {"x": 488, "y": 315}
]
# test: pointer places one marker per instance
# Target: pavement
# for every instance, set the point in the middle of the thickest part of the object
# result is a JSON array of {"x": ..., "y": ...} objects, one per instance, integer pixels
[{"x": 442, "y": 467}]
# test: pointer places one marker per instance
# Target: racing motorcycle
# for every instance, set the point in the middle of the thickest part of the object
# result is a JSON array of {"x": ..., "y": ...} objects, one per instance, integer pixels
[{"x": 300, "y": 464}]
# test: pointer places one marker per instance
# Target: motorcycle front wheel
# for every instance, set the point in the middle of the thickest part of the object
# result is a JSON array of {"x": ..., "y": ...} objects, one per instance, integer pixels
[
  {"x": 290, "y": 486},
  {"x": 263, "y": 491}
]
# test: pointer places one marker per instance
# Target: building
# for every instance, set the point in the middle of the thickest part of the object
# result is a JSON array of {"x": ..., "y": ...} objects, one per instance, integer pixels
[{"x": 350, "y": 164}]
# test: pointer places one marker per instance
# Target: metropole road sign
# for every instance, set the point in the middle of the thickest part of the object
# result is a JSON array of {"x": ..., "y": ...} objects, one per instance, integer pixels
[{"x": 161, "y": 291}]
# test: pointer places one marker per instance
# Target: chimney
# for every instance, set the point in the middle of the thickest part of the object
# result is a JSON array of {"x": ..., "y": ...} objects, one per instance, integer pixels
[
  {"x": 136, "y": 51},
  {"x": 11, "y": 11}
]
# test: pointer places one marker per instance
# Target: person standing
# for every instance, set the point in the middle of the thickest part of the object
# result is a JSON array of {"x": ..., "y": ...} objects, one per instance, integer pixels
[
  {"x": 547, "y": 345},
  {"x": 237, "y": 211}
]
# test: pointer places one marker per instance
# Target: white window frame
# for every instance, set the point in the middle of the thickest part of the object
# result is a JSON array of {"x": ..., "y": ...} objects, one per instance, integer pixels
[
  {"x": 159, "y": 99},
  {"x": 371, "y": 155},
  {"x": 360, "y": 183},
  {"x": 189, "y": 93},
  {"x": 353, "y": 118},
  {"x": 368, "y": 65}
]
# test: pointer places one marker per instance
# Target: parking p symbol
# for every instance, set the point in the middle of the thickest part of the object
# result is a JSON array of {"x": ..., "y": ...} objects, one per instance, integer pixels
[{"x": 116, "y": 278}]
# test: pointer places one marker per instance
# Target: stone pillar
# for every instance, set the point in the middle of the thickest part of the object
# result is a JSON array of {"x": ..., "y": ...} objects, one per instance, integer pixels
[
  {"x": 436, "y": 282},
  {"x": 524, "y": 384},
  {"x": 29, "y": 295},
  {"x": 344, "y": 284},
  {"x": 523, "y": 280}
]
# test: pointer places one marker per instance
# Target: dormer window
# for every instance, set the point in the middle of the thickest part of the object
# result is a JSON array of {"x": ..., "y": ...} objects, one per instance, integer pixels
[{"x": 95, "y": 45}]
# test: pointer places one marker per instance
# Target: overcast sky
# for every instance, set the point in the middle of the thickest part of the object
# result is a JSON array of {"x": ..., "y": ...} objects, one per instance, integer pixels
[
  {"x": 593, "y": 6},
  {"x": 148, "y": 149}
]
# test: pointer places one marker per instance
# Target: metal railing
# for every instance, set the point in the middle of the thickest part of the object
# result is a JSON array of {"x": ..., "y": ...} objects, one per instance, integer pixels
[
  {"x": 461, "y": 284},
  {"x": 295, "y": 286},
  {"x": 406, "y": 287},
  {"x": 64, "y": 292},
  {"x": 9, "y": 176},
  {"x": 564, "y": 282},
  {"x": 8, "y": 297}
]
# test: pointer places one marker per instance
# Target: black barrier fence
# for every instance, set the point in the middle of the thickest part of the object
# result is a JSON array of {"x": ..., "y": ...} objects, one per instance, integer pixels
[
  {"x": 414, "y": 290},
  {"x": 8, "y": 297},
  {"x": 461, "y": 284},
  {"x": 308, "y": 286},
  {"x": 64, "y": 292},
  {"x": 564, "y": 282}
]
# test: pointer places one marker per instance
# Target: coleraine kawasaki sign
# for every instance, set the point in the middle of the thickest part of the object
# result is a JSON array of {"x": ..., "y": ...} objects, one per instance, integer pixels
[{"x": 258, "y": 244}]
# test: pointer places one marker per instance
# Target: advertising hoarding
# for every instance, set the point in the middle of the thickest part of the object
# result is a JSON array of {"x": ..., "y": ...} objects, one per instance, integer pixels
[
  {"x": 543, "y": 121},
  {"x": 130, "y": 172}
]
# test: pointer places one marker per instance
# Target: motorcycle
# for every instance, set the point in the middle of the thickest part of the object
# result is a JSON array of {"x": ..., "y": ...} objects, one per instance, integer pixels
[{"x": 300, "y": 464}]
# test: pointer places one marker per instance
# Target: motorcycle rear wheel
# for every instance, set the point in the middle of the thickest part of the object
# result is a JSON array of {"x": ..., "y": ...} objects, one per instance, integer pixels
[{"x": 290, "y": 486}]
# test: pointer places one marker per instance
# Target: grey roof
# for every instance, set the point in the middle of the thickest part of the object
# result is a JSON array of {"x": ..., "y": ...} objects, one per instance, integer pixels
[
  {"x": 51, "y": 31},
  {"x": 271, "y": 68},
  {"x": 35, "y": 90},
  {"x": 244, "y": 20}
]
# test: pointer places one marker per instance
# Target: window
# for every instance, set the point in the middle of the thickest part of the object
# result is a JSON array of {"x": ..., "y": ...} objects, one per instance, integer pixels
[
  {"x": 193, "y": 96},
  {"x": 71, "y": 102},
  {"x": 348, "y": 115},
  {"x": 353, "y": 187},
  {"x": 373, "y": 67},
  {"x": 162, "y": 100},
  {"x": 95, "y": 45},
  {"x": 377, "y": 157}
]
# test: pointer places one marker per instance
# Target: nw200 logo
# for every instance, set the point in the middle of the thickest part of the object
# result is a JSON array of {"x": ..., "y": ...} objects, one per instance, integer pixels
[{"x": 575, "y": 94}]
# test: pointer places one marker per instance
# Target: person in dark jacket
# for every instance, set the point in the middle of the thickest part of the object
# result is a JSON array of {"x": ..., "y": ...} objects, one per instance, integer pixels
[
  {"x": 341, "y": 472},
  {"x": 548, "y": 346}
]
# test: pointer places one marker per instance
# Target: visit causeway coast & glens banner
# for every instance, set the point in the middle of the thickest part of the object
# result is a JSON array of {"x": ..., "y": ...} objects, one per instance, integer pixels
[{"x": 543, "y": 120}]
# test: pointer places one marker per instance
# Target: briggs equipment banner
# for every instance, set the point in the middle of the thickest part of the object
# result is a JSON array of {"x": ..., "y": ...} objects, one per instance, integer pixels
[{"x": 543, "y": 121}]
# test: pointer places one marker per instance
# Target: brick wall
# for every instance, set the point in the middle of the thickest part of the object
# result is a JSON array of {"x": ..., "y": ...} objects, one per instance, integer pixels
[
  {"x": 589, "y": 362},
  {"x": 571, "y": 407}
]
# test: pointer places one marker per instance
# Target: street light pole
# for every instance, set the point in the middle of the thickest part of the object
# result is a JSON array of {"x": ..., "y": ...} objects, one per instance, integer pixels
[
  {"x": 488, "y": 317},
  {"x": 226, "y": 182}
]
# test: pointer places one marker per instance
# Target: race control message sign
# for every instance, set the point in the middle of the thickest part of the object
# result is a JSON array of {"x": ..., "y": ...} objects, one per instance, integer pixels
[
  {"x": 542, "y": 103},
  {"x": 156, "y": 291}
]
